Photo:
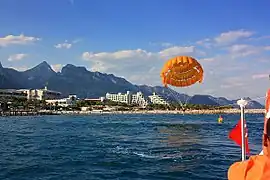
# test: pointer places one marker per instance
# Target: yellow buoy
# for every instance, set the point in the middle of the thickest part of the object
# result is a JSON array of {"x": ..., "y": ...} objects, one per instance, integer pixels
[{"x": 220, "y": 119}]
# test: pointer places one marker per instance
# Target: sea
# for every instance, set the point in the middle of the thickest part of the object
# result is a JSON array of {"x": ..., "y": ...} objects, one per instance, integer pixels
[{"x": 122, "y": 146}]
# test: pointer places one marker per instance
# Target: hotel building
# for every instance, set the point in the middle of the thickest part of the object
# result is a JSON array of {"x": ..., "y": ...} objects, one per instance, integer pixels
[
  {"x": 41, "y": 94},
  {"x": 136, "y": 98},
  {"x": 65, "y": 102},
  {"x": 119, "y": 97},
  {"x": 156, "y": 99},
  {"x": 128, "y": 98}
]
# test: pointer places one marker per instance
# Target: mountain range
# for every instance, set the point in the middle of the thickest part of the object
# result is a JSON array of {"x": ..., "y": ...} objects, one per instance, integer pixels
[{"x": 78, "y": 80}]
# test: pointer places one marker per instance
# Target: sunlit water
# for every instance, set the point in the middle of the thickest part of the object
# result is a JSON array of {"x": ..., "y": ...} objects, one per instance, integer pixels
[{"x": 121, "y": 147}]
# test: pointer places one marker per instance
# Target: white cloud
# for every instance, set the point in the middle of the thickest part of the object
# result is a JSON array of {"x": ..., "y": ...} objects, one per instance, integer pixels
[
  {"x": 116, "y": 55},
  {"x": 18, "y": 40},
  {"x": 260, "y": 76},
  {"x": 17, "y": 57},
  {"x": 233, "y": 36},
  {"x": 101, "y": 66},
  {"x": 225, "y": 38},
  {"x": 205, "y": 43},
  {"x": 65, "y": 45},
  {"x": 243, "y": 50},
  {"x": 114, "y": 61},
  {"x": 208, "y": 59},
  {"x": 259, "y": 38},
  {"x": 57, "y": 67},
  {"x": 232, "y": 85},
  {"x": 87, "y": 55},
  {"x": 177, "y": 50}
]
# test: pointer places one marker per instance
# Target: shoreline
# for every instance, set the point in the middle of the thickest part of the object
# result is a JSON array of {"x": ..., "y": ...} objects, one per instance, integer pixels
[
  {"x": 228, "y": 111},
  {"x": 188, "y": 112}
]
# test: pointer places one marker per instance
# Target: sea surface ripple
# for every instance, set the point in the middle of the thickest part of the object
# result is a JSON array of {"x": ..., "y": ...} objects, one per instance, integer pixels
[{"x": 141, "y": 147}]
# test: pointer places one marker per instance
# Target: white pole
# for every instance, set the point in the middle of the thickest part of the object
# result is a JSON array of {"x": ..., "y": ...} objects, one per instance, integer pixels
[
  {"x": 242, "y": 103},
  {"x": 243, "y": 133}
]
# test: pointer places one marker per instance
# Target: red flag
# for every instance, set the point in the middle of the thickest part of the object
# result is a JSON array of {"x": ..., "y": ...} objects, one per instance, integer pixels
[{"x": 236, "y": 136}]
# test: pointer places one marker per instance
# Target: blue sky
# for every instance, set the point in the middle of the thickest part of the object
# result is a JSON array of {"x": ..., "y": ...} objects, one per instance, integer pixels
[{"x": 133, "y": 39}]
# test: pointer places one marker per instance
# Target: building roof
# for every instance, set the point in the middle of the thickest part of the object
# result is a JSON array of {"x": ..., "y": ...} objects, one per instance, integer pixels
[
  {"x": 92, "y": 99},
  {"x": 57, "y": 92},
  {"x": 10, "y": 90}
]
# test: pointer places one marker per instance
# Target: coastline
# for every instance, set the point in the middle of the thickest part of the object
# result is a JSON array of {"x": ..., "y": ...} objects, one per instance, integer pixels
[
  {"x": 193, "y": 112},
  {"x": 228, "y": 111}
]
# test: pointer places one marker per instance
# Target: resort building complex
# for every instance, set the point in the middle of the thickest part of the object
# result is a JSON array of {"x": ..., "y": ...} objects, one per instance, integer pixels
[
  {"x": 65, "y": 102},
  {"x": 136, "y": 98},
  {"x": 139, "y": 99},
  {"x": 54, "y": 97},
  {"x": 119, "y": 97},
  {"x": 156, "y": 99}
]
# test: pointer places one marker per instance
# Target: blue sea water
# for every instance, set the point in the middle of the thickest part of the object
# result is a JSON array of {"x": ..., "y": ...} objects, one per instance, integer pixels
[{"x": 141, "y": 147}]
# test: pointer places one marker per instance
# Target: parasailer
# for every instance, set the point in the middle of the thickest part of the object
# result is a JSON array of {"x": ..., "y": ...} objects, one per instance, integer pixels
[{"x": 181, "y": 71}]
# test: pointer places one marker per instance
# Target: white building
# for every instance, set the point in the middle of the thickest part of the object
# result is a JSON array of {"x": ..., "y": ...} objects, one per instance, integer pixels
[
  {"x": 139, "y": 99},
  {"x": 156, "y": 99},
  {"x": 101, "y": 99},
  {"x": 65, "y": 102},
  {"x": 123, "y": 98},
  {"x": 128, "y": 98},
  {"x": 41, "y": 94},
  {"x": 12, "y": 93}
]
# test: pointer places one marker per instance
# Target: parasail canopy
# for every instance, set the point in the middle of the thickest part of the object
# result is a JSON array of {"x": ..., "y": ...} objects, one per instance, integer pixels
[{"x": 181, "y": 71}]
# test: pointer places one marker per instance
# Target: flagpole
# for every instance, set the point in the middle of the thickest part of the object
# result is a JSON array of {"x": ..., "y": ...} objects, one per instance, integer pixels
[{"x": 242, "y": 103}]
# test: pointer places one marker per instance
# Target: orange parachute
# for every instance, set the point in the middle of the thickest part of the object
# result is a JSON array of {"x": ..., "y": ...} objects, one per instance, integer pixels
[{"x": 181, "y": 71}]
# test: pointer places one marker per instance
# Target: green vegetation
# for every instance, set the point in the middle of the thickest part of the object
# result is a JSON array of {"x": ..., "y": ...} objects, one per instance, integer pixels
[
  {"x": 198, "y": 107},
  {"x": 17, "y": 104},
  {"x": 186, "y": 107}
]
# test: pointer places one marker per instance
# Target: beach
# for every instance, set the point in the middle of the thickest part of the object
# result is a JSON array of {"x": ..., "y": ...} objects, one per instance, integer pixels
[
  {"x": 226, "y": 111},
  {"x": 194, "y": 112}
]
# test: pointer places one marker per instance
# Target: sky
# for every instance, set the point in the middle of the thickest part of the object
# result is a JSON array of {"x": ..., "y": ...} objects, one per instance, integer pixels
[{"x": 134, "y": 39}]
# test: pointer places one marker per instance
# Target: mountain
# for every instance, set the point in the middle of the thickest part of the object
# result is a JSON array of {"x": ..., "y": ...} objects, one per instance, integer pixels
[
  {"x": 84, "y": 83},
  {"x": 32, "y": 78},
  {"x": 251, "y": 104},
  {"x": 78, "y": 80},
  {"x": 38, "y": 75},
  {"x": 10, "y": 78},
  {"x": 198, "y": 99},
  {"x": 167, "y": 93}
]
